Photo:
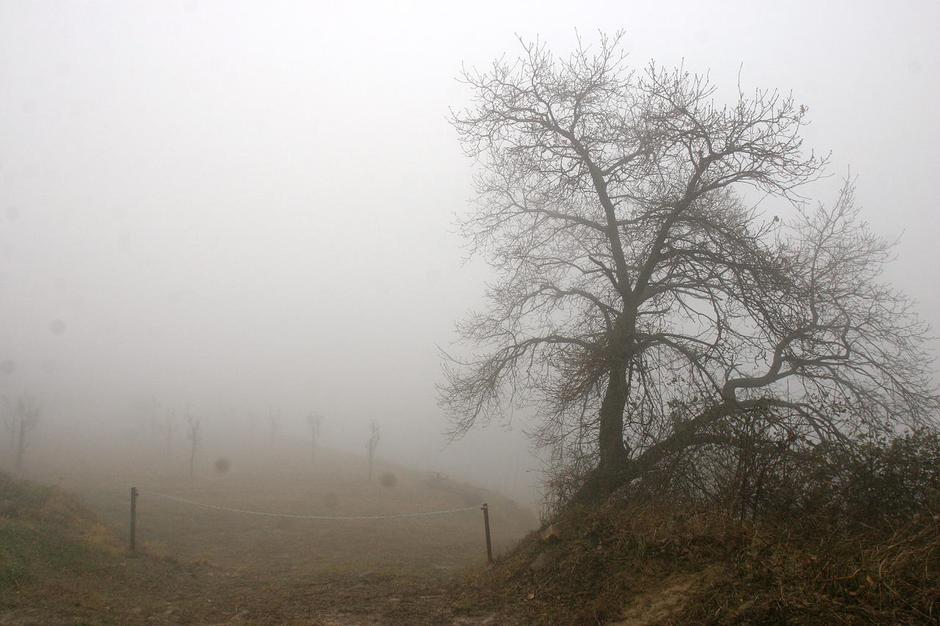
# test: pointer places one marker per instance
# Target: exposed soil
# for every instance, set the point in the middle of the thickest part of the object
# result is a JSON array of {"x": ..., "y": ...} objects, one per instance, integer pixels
[{"x": 147, "y": 591}]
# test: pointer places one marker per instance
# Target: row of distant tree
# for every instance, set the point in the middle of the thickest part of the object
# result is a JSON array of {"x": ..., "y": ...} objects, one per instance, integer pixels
[
  {"x": 194, "y": 433},
  {"x": 21, "y": 415}
]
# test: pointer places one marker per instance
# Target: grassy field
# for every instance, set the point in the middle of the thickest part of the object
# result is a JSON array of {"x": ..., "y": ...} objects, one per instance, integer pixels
[{"x": 205, "y": 565}]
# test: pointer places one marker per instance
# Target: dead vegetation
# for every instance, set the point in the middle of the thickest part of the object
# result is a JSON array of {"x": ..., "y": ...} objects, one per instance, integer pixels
[
  {"x": 834, "y": 537},
  {"x": 647, "y": 564}
]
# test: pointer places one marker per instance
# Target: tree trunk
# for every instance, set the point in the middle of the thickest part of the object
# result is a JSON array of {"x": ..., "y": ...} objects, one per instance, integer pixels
[{"x": 613, "y": 454}]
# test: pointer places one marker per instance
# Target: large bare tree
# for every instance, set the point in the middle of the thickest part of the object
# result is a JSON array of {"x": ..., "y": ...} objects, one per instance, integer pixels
[{"x": 644, "y": 299}]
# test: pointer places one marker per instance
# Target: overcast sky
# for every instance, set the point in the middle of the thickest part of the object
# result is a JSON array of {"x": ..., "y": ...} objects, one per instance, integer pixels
[{"x": 251, "y": 204}]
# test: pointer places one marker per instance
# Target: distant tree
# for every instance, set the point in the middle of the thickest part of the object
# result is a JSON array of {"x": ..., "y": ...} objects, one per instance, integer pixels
[
  {"x": 193, "y": 434},
  {"x": 19, "y": 419},
  {"x": 314, "y": 421},
  {"x": 644, "y": 302},
  {"x": 10, "y": 425},
  {"x": 6, "y": 408},
  {"x": 169, "y": 421},
  {"x": 374, "y": 436}
]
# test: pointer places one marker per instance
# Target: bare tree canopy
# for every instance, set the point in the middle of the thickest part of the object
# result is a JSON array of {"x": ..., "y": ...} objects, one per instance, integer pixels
[{"x": 644, "y": 301}]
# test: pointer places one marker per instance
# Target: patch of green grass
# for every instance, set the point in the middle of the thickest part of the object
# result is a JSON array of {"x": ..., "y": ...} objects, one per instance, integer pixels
[
  {"x": 41, "y": 532},
  {"x": 13, "y": 561},
  {"x": 18, "y": 496},
  {"x": 28, "y": 551}
]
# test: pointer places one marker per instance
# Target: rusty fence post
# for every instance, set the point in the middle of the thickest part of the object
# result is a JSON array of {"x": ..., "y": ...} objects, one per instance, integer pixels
[
  {"x": 486, "y": 528},
  {"x": 133, "y": 539}
]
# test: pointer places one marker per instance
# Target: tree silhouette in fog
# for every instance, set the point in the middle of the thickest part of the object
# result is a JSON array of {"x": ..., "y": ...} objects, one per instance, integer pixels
[{"x": 645, "y": 302}]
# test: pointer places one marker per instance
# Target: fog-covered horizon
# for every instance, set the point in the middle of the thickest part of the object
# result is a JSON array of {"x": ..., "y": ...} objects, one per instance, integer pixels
[{"x": 248, "y": 208}]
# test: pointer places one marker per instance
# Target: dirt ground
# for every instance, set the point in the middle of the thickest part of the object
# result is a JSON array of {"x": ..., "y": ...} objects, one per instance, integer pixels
[
  {"x": 141, "y": 591},
  {"x": 199, "y": 565}
]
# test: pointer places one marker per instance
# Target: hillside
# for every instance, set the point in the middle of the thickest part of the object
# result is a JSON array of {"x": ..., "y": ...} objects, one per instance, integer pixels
[
  {"x": 63, "y": 557},
  {"x": 216, "y": 549},
  {"x": 639, "y": 562},
  {"x": 60, "y": 565}
]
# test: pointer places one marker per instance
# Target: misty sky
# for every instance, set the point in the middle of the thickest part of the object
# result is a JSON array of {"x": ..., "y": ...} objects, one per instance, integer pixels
[{"x": 250, "y": 205}]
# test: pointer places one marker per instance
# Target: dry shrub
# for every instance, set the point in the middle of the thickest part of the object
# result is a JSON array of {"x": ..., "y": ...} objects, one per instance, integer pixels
[
  {"x": 612, "y": 559},
  {"x": 812, "y": 535},
  {"x": 841, "y": 534},
  {"x": 882, "y": 480},
  {"x": 103, "y": 538},
  {"x": 605, "y": 556},
  {"x": 878, "y": 576},
  {"x": 871, "y": 480}
]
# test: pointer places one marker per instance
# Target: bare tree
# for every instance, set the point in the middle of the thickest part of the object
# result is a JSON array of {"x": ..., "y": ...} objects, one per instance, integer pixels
[
  {"x": 9, "y": 421},
  {"x": 314, "y": 420},
  {"x": 644, "y": 299},
  {"x": 193, "y": 434},
  {"x": 20, "y": 418},
  {"x": 374, "y": 436},
  {"x": 169, "y": 420}
]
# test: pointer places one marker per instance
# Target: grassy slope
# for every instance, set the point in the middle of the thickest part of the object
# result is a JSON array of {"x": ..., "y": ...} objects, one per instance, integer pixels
[
  {"x": 633, "y": 564},
  {"x": 44, "y": 531},
  {"x": 54, "y": 553}
]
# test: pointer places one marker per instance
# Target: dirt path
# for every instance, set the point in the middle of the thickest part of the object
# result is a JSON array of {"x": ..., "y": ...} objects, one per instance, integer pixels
[
  {"x": 321, "y": 559},
  {"x": 199, "y": 565},
  {"x": 146, "y": 590}
]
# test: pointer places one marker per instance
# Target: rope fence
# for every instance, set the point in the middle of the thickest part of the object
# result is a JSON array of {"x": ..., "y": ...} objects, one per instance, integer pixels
[
  {"x": 311, "y": 517},
  {"x": 135, "y": 493}
]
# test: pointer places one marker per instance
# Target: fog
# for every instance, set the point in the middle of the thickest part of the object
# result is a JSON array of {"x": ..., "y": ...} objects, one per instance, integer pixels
[{"x": 249, "y": 208}]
